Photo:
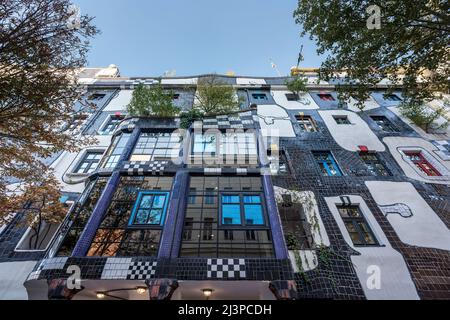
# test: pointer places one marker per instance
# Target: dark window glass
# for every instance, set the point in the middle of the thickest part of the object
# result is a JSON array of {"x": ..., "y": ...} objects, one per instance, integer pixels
[
  {"x": 392, "y": 97},
  {"x": 326, "y": 97},
  {"x": 357, "y": 226},
  {"x": 292, "y": 97},
  {"x": 342, "y": 120},
  {"x": 384, "y": 123},
  {"x": 374, "y": 165},
  {"x": 259, "y": 96}
]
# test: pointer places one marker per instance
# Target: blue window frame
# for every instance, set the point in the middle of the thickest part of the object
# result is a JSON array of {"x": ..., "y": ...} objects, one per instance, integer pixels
[
  {"x": 246, "y": 208},
  {"x": 392, "y": 97},
  {"x": 327, "y": 164},
  {"x": 150, "y": 209}
]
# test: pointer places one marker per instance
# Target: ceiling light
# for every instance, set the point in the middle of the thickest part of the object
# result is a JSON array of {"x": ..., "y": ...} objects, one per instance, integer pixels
[
  {"x": 207, "y": 292},
  {"x": 141, "y": 290},
  {"x": 100, "y": 295}
]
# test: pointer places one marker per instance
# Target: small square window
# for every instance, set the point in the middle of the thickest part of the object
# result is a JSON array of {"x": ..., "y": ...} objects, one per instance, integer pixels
[
  {"x": 392, "y": 97},
  {"x": 176, "y": 96},
  {"x": 96, "y": 96},
  {"x": 292, "y": 97},
  {"x": 112, "y": 124},
  {"x": 306, "y": 124},
  {"x": 341, "y": 119},
  {"x": 374, "y": 165},
  {"x": 325, "y": 97},
  {"x": 259, "y": 96},
  {"x": 384, "y": 123}
]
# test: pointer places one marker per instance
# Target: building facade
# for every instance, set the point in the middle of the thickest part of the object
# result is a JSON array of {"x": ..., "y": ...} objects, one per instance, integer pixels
[{"x": 293, "y": 196}]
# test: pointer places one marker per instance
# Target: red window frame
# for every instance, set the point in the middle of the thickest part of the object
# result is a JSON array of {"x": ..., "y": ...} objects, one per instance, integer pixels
[{"x": 423, "y": 164}]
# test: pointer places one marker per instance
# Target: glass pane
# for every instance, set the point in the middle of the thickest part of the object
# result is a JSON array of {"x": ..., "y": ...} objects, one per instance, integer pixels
[
  {"x": 158, "y": 202},
  {"x": 155, "y": 216},
  {"x": 141, "y": 217},
  {"x": 146, "y": 202},
  {"x": 252, "y": 199},
  {"x": 253, "y": 215},
  {"x": 231, "y": 214},
  {"x": 230, "y": 199}
]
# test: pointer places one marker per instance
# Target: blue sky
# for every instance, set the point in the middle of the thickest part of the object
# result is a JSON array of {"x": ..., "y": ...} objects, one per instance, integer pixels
[{"x": 149, "y": 37}]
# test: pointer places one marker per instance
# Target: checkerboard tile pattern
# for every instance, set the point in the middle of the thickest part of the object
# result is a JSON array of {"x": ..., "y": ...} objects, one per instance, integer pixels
[
  {"x": 141, "y": 167},
  {"x": 142, "y": 270},
  {"x": 244, "y": 120},
  {"x": 444, "y": 149},
  {"x": 226, "y": 269}
]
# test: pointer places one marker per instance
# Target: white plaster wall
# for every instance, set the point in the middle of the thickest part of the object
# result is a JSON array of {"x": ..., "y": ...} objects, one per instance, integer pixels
[
  {"x": 120, "y": 101},
  {"x": 353, "y": 135},
  {"x": 67, "y": 162},
  {"x": 250, "y": 81},
  {"x": 394, "y": 143},
  {"x": 275, "y": 120},
  {"x": 12, "y": 277},
  {"x": 395, "y": 279},
  {"x": 368, "y": 104},
  {"x": 306, "y": 102},
  {"x": 424, "y": 228}
]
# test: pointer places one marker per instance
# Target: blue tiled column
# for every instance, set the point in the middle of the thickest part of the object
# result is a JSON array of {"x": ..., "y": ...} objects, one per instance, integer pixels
[
  {"x": 274, "y": 219},
  {"x": 83, "y": 244},
  {"x": 173, "y": 227}
]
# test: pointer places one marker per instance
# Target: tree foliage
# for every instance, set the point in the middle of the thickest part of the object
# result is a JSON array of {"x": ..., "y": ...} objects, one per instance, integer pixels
[
  {"x": 411, "y": 46},
  {"x": 43, "y": 44},
  {"x": 423, "y": 116},
  {"x": 214, "y": 96},
  {"x": 297, "y": 84},
  {"x": 152, "y": 100}
]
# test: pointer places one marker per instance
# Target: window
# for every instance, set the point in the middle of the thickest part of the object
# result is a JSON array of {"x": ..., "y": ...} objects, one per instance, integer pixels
[
  {"x": 90, "y": 162},
  {"x": 295, "y": 224},
  {"x": 175, "y": 96},
  {"x": 233, "y": 206},
  {"x": 112, "y": 124},
  {"x": 205, "y": 143},
  {"x": 327, "y": 164},
  {"x": 292, "y": 97},
  {"x": 150, "y": 209},
  {"x": 130, "y": 226},
  {"x": 325, "y": 97},
  {"x": 259, "y": 96},
  {"x": 230, "y": 146},
  {"x": 278, "y": 163},
  {"x": 384, "y": 123},
  {"x": 227, "y": 219},
  {"x": 306, "y": 124},
  {"x": 77, "y": 122},
  {"x": 373, "y": 164},
  {"x": 96, "y": 96},
  {"x": 116, "y": 150},
  {"x": 357, "y": 226},
  {"x": 341, "y": 119},
  {"x": 392, "y": 97},
  {"x": 418, "y": 159},
  {"x": 157, "y": 146}
]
